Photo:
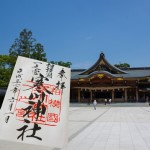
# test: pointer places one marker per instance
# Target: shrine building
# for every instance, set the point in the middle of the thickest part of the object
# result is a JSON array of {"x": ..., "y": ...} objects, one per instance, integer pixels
[{"x": 105, "y": 81}]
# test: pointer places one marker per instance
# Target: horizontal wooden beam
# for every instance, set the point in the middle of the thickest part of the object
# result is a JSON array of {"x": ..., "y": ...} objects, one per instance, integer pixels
[{"x": 104, "y": 88}]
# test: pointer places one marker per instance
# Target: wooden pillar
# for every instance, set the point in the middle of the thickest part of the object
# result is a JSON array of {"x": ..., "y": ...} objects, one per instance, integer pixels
[
  {"x": 125, "y": 95},
  {"x": 113, "y": 96},
  {"x": 137, "y": 95},
  {"x": 91, "y": 100},
  {"x": 79, "y": 96}
]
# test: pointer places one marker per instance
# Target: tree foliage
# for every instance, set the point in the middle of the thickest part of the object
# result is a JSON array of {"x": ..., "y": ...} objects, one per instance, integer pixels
[
  {"x": 5, "y": 69},
  {"x": 61, "y": 63},
  {"x": 38, "y": 52},
  {"x": 26, "y": 46},
  {"x": 122, "y": 65}
]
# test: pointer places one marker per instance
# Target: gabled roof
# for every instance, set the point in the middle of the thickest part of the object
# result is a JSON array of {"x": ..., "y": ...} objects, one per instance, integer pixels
[{"x": 103, "y": 65}]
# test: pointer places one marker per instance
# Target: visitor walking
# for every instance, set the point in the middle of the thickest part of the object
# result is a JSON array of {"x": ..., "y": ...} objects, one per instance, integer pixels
[
  {"x": 109, "y": 100},
  {"x": 94, "y": 104}
]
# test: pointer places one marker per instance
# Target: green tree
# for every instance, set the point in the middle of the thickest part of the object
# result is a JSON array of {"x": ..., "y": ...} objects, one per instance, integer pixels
[
  {"x": 23, "y": 45},
  {"x": 6, "y": 63},
  {"x": 122, "y": 65},
  {"x": 38, "y": 52},
  {"x": 61, "y": 63},
  {"x": 26, "y": 46}
]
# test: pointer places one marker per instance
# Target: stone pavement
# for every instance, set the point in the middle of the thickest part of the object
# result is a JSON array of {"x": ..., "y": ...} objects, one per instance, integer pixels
[{"x": 106, "y": 128}]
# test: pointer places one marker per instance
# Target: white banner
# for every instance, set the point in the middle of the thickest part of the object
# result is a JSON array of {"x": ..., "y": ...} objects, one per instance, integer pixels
[{"x": 35, "y": 108}]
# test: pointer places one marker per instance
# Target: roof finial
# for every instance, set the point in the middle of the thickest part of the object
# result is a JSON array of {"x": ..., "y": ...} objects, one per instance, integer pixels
[{"x": 102, "y": 54}]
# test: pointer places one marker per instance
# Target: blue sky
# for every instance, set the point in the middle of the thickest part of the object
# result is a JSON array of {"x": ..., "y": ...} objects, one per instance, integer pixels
[{"x": 78, "y": 30}]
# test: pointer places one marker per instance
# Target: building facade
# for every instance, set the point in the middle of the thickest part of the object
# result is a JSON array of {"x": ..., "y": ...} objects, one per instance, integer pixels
[{"x": 105, "y": 81}]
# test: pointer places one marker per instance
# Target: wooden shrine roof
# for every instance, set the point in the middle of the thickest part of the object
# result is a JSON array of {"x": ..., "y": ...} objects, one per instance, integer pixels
[{"x": 102, "y": 66}]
